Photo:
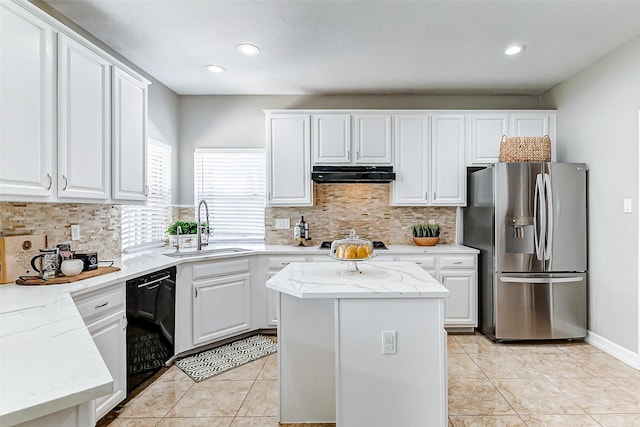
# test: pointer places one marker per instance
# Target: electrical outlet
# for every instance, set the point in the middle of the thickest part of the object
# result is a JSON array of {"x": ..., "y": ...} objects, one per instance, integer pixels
[
  {"x": 283, "y": 223},
  {"x": 627, "y": 206},
  {"x": 75, "y": 232},
  {"x": 389, "y": 342},
  {"x": 432, "y": 221}
]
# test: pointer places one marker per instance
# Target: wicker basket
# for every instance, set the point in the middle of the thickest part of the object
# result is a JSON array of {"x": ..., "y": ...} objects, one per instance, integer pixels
[{"x": 525, "y": 149}]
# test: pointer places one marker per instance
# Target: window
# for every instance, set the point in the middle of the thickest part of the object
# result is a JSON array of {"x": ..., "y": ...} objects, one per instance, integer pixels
[
  {"x": 145, "y": 225},
  {"x": 232, "y": 181}
]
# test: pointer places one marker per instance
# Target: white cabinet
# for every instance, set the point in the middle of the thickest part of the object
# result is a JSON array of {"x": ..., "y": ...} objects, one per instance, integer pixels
[
  {"x": 84, "y": 121},
  {"x": 103, "y": 312},
  {"x": 411, "y": 160},
  {"x": 332, "y": 142},
  {"x": 448, "y": 173},
  {"x": 486, "y": 130},
  {"x": 129, "y": 176},
  {"x": 289, "y": 160},
  {"x": 457, "y": 273},
  {"x": 77, "y": 416},
  {"x": 221, "y": 298},
  {"x": 331, "y": 138},
  {"x": 273, "y": 265},
  {"x": 27, "y": 92},
  {"x": 372, "y": 138}
]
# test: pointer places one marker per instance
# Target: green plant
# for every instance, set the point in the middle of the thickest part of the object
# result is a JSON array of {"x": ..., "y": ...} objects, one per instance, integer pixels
[
  {"x": 190, "y": 227},
  {"x": 426, "y": 230}
]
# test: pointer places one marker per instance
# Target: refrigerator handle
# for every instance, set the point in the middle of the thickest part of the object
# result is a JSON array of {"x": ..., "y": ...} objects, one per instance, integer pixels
[
  {"x": 573, "y": 279},
  {"x": 539, "y": 206},
  {"x": 549, "y": 237}
]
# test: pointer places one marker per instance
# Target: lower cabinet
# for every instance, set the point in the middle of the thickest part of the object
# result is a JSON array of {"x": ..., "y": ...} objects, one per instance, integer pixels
[
  {"x": 273, "y": 265},
  {"x": 221, "y": 307},
  {"x": 103, "y": 312},
  {"x": 76, "y": 416}
]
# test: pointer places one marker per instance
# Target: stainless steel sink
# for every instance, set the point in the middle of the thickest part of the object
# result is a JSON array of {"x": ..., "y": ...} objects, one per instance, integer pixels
[{"x": 188, "y": 253}]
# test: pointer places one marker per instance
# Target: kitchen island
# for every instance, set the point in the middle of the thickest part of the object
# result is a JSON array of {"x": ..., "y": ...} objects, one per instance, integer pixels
[{"x": 363, "y": 349}]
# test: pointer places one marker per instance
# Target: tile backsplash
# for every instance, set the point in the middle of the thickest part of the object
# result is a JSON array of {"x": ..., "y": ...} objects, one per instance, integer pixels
[
  {"x": 99, "y": 224},
  {"x": 363, "y": 207}
]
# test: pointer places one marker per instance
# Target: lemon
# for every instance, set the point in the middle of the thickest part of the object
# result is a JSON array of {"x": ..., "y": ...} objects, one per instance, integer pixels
[
  {"x": 362, "y": 251},
  {"x": 351, "y": 252}
]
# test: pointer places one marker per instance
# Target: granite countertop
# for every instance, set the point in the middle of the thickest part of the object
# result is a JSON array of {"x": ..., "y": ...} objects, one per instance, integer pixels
[
  {"x": 49, "y": 361},
  {"x": 376, "y": 280}
]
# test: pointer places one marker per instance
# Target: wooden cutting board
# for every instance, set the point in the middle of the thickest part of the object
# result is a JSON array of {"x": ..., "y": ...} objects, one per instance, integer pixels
[{"x": 35, "y": 281}]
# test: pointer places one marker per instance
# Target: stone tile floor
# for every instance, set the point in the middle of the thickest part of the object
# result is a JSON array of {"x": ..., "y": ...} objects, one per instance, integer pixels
[{"x": 559, "y": 384}]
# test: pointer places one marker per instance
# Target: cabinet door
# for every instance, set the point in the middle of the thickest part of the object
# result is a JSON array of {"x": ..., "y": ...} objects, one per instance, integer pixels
[
  {"x": 460, "y": 306},
  {"x": 447, "y": 164},
  {"x": 273, "y": 299},
  {"x": 289, "y": 160},
  {"x": 331, "y": 138},
  {"x": 372, "y": 134},
  {"x": 411, "y": 160},
  {"x": 84, "y": 121},
  {"x": 221, "y": 307},
  {"x": 129, "y": 177},
  {"x": 486, "y": 133},
  {"x": 534, "y": 123},
  {"x": 109, "y": 336},
  {"x": 26, "y": 104}
]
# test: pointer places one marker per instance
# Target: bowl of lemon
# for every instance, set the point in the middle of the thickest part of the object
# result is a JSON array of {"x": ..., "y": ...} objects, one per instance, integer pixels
[{"x": 351, "y": 250}]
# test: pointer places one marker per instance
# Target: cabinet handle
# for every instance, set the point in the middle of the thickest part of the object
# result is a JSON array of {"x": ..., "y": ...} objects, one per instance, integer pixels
[
  {"x": 196, "y": 289},
  {"x": 348, "y": 154},
  {"x": 418, "y": 262},
  {"x": 66, "y": 182},
  {"x": 457, "y": 262},
  {"x": 102, "y": 305},
  {"x": 284, "y": 263},
  {"x": 124, "y": 317},
  {"x": 434, "y": 195},
  {"x": 146, "y": 190},
  {"x": 50, "y": 182},
  {"x": 358, "y": 155}
]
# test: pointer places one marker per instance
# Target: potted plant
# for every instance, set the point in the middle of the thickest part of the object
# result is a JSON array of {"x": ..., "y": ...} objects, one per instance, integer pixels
[
  {"x": 188, "y": 231},
  {"x": 426, "y": 234}
]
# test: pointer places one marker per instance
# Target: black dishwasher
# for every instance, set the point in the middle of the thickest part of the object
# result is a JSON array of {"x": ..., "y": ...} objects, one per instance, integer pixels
[{"x": 150, "y": 324}]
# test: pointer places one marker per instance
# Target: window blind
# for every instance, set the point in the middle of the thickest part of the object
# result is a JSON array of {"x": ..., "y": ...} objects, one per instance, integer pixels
[
  {"x": 144, "y": 225},
  {"x": 233, "y": 182}
]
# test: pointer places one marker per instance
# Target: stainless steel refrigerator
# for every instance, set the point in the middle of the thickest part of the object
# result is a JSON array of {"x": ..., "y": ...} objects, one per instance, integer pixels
[{"x": 529, "y": 221}]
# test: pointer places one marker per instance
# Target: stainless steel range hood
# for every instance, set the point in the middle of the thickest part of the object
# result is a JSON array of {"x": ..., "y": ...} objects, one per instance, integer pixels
[{"x": 353, "y": 174}]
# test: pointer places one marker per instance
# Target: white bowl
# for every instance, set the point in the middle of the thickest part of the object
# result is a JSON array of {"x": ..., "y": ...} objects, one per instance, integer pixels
[{"x": 72, "y": 267}]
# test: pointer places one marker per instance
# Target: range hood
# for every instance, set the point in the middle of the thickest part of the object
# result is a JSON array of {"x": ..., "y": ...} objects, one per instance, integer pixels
[{"x": 345, "y": 174}]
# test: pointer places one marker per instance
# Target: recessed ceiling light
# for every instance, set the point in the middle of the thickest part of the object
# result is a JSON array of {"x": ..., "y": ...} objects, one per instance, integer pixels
[
  {"x": 514, "y": 50},
  {"x": 215, "y": 69},
  {"x": 248, "y": 49}
]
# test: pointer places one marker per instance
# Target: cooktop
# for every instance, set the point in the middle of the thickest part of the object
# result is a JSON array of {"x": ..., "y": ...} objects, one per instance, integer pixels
[{"x": 377, "y": 244}]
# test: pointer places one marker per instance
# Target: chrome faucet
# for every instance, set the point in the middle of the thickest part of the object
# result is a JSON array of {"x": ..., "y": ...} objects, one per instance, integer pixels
[
  {"x": 178, "y": 233},
  {"x": 206, "y": 207}
]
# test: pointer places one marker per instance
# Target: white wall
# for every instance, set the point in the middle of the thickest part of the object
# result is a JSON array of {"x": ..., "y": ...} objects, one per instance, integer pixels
[
  {"x": 598, "y": 124},
  {"x": 238, "y": 121}
]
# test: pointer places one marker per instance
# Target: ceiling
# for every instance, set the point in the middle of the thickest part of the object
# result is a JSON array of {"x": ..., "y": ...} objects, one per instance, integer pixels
[{"x": 361, "y": 46}]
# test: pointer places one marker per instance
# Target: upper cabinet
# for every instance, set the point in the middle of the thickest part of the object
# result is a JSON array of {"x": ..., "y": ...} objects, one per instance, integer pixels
[
  {"x": 129, "y": 172},
  {"x": 487, "y": 129},
  {"x": 412, "y": 157},
  {"x": 289, "y": 160},
  {"x": 344, "y": 138},
  {"x": 97, "y": 105},
  {"x": 27, "y": 89},
  {"x": 448, "y": 172},
  {"x": 84, "y": 121}
]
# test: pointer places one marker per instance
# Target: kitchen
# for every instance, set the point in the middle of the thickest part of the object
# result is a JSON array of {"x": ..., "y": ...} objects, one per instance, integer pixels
[{"x": 597, "y": 112}]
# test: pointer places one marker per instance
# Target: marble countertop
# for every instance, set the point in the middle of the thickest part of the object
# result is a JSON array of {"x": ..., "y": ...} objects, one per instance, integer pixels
[
  {"x": 48, "y": 359},
  {"x": 376, "y": 280}
]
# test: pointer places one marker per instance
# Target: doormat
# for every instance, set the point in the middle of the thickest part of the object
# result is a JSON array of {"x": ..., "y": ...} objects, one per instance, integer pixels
[{"x": 218, "y": 360}]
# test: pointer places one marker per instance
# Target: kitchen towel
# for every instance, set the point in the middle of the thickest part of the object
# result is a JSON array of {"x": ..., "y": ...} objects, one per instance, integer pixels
[{"x": 213, "y": 362}]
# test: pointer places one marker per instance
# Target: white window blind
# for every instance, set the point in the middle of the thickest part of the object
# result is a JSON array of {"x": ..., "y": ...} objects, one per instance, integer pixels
[
  {"x": 144, "y": 225},
  {"x": 232, "y": 181}
]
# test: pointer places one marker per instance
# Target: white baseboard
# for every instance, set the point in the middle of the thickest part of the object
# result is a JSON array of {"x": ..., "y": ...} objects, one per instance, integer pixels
[{"x": 622, "y": 354}]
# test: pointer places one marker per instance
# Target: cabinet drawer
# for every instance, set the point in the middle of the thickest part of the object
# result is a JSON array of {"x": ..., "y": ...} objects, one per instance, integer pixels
[
  {"x": 100, "y": 302},
  {"x": 461, "y": 261},
  {"x": 220, "y": 268},
  {"x": 426, "y": 262},
  {"x": 276, "y": 263}
]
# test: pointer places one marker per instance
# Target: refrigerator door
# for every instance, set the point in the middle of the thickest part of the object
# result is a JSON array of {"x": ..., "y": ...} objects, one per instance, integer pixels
[
  {"x": 540, "y": 306},
  {"x": 520, "y": 220},
  {"x": 565, "y": 193}
]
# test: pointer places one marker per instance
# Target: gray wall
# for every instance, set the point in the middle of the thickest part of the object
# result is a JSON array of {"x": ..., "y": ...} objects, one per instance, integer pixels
[
  {"x": 238, "y": 121},
  {"x": 163, "y": 125},
  {"x": 598, "y": 124}
]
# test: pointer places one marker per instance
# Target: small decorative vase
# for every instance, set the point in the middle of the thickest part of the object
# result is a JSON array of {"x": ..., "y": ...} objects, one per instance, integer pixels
[{"x": 426, "y": 241}]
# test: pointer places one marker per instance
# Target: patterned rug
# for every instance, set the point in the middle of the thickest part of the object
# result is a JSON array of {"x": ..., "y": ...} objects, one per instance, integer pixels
[{"x": 218, "y": 360}]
